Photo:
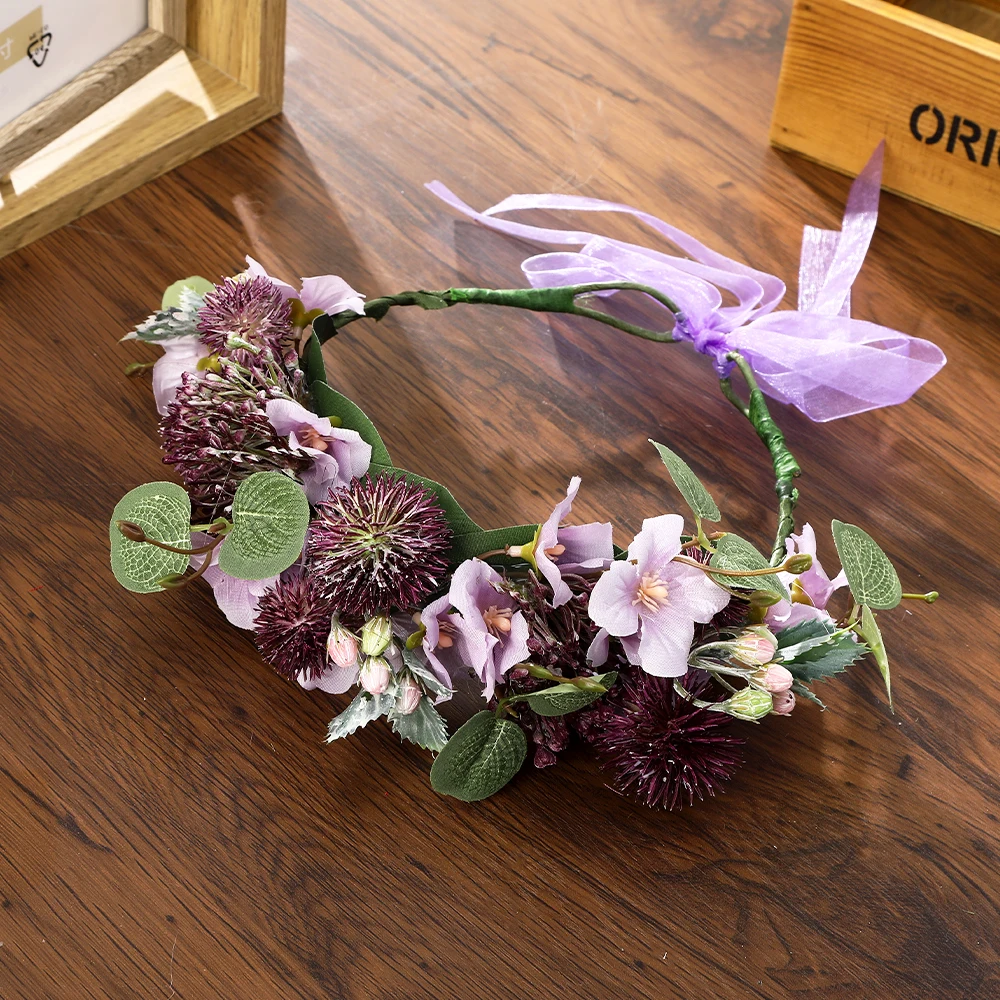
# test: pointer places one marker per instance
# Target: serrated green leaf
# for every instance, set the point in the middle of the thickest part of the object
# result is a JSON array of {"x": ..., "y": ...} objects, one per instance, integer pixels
[
  {"x": 872, "y": 635},
  {"x": 800, "y": 690},
  {"x": 172, "y": 296},
  {"x": 870, "y": 575},
  {"x": 327, "y": 402},
  {"x": 270, "y": 519},
  {"x": 480, "y": 758},
  {"x": 733, "y": 552},
  {"x": 561, "y": 699},
  {"x": 830, "y": 657},
  {"x": 163, "y": 511},
  {"x": 690, "y": 486},
  {"x": 425, "y": 727},
  {"x": 809, "y": 628},
  {"x": 363, "y": 709},
  {"x": 425, "y": 675}
]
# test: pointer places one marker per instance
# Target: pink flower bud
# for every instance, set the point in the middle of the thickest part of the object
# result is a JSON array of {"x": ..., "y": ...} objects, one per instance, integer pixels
[
  {"x": 755, "y": 647},
  {"x": 774, "y": 678},
  {"x": 375, "y": 675},
  {"x": 342, "y": 646},
  {"x": 783, "y": 703},
  {"x": 408, "y": 696}
]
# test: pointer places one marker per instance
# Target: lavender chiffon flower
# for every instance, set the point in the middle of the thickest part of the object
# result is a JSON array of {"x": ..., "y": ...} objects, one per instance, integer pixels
[
  {"x": 237, "y": 599},
  {"x": 652, "y": 603},
  {"x": 326, "y": 292},
  {"x": 333, "y": 680},
  {"x": 450, "y": 644},
  {"x": 180, "y": 355},
  {"x": 811, "y": 591},
  {"x": 570, "y": 549},
  {"x": 494, "y": 635},
  {"x": 339, "y": 455}
]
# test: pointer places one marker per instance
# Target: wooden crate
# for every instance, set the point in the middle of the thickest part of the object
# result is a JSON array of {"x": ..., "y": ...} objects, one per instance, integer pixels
[
  {"x": 201, "y": 73},
  {"x": 923, "y": 74}
]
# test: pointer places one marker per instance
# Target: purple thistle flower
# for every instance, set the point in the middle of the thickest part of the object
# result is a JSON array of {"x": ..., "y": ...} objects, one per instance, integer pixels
[
  {"x": 217, "y": 432},
  {"x": 380, "y": 544},
  {"x": 293, "y": 623},
  {"x": 250, "y": 308},
  {"x": 660, "y": 747}
]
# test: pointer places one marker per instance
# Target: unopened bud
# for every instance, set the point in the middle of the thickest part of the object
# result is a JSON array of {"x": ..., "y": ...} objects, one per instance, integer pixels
[
  {"x": 375, "y": 675},
  {"x": 763, "y": 599},
  {"x": 408, "y": 697},
  {"x": 755, "y": 647},
  {"x": 775, "y": 678},
  {"x": 172, "y": 581},
  {"x": 376, "y": 634},
  {"x": 783, "y": 703},
  {"x": 750, "y": 704},
  {"x": 341, "y": 645},
  {"x": 132, "y": 531},
  {"x": 798, "y": 563}
]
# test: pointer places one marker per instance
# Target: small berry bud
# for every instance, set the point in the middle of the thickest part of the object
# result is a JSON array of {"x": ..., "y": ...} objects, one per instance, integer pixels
[
  {"x": 763, "y": 599},
  {"x": 132, "y": 531},
  {"x": 783, "y": 703},
  {"x": 172, "y": 581},
  {"x": 748, "y": 704},
  {"x": 341, "y": 645},
  {"x": 408, "y": 697},
  {"x": 375, "y": 675},
  {"x": 775, "y": 678},
  {"x": 755, "y": 647},
  {"x": 798, "y": 563},
  {"x": 376, "y": 634}
]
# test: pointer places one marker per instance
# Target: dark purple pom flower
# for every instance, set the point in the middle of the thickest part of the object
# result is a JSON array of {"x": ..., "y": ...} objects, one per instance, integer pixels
[
  {"x": 661, "y": 748},
  {"x": 250, "y": 309},
  {"x": 217, "y": 432},
  {"x": 293, "y": 623},
  {"x": 380, "y": 544}
]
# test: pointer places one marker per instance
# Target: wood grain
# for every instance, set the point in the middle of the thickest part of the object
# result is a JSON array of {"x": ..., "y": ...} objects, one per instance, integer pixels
[
  {"x": 857, "y": 70},
  {"x": 172, "y": 825}
]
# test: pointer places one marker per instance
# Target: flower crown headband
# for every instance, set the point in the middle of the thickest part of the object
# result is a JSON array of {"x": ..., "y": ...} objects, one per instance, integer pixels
[{"x": 353, "y": 572}]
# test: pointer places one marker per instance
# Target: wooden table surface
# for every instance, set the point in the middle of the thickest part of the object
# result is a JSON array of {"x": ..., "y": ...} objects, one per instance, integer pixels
[{"x": 171, "y": 823}]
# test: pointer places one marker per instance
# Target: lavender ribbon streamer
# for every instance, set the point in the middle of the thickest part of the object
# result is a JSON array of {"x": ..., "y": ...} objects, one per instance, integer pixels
[{"x": 817, "y": 357}]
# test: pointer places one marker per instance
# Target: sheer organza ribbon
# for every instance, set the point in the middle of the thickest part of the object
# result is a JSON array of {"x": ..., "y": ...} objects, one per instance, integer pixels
[{"x": 816, "y": 357}]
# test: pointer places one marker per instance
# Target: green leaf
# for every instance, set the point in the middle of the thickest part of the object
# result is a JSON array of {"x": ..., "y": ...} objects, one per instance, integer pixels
[
  {"x": 474, "y": 543},
  {"x": 428, "y": 300},
  {"x": 689, "y": 485},
  {"x": 424, "y": 674},
  {"x": 270, "y": 518},
  {"x": 872, "y": 578},
  {"x": 810, "y": 628},
  {"x": 733, "y": 552},
  {"x": 480, "y": 758},
  {"x": 425, "y": 727},
  {"x": 561, "y": 699},
  {"x": 327, "y": 402},
  {"x": 364, "y": 709},
  {"x": 311, "y": 361},
  {"x": 799, "y": 689},
  {"x": 871, "y": 633},
  {"x": 163, "y": 511},
  {"x": 172, "y": 296}
]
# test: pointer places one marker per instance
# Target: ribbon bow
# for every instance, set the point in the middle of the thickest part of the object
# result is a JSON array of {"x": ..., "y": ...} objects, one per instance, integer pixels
[{"x": 816, "y": 357}]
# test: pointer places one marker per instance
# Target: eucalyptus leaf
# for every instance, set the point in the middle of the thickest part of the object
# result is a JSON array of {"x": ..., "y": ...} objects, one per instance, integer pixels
[
  {"x": 163, "y": 511},
  {"x": 327, "y": 402},
  {"x": 480, "y": 758},
  {"x": 871, "y": 633},
  {"x": 870, "y": 575},
  {"x": 172, "y": 296},
  {"x": 363, "y": 709},
  {"x": 561, "y": 699},
  {"x": 698, "y": 498},
  {"x": 733, "y": 552},
  {"x": 425, "y": 727},
  {"x": 270, "y": 519}
]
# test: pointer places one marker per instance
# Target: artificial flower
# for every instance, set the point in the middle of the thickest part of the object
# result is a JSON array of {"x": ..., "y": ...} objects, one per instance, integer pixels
[
  {"x": 486, "y": 609},
  {"x": 652, "y": 603},
  {"x": 180, "y": 355},
  {"x": 811, "y": 591},
  {"x": 449, "y": 643},
  {"x": 237, "y": 599},
  {"x": 293, "y": 624},
  {"x": 251, "y": 310},
  {"x": 326, "y": 292},
  {"x": 338, "y": 454}
]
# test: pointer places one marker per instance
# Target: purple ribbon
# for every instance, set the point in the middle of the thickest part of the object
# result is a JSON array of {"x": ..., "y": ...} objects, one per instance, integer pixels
[{"x": 816, "y": 357}]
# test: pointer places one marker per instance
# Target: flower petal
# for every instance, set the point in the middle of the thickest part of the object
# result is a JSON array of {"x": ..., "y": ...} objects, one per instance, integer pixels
[
  {"x": 657, "y": 543},
  {"x": 180, "y": 355},
  {"x": 331, "y": 294},
  {"x": 665, "y": 643},
  {"x": 611, "y": 600},
  {"x": 288, "y": 417}
]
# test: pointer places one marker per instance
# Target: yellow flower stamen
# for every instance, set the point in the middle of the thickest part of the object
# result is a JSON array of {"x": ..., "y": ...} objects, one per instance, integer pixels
[{"x": 652, "y": 593}]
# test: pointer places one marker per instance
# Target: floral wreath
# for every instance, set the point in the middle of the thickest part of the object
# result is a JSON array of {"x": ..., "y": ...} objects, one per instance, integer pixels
[{"x": 355, "y": 573}]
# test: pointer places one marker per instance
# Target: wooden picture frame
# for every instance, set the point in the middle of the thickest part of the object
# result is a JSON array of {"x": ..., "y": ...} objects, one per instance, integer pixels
[{"x": 202, "y": 72}]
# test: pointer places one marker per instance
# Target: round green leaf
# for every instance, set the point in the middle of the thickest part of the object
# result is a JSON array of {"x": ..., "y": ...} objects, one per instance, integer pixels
[
  {"x": 163, "y": 511},
  {"x": 270, "y": 518},
  {"x": 172, "y": 296},
  {"x": 480, "y": 758},
  {"x": 870, "y": 575},
  {"x": 689, "y": 485},
  {"x": 733, "y": 552}
]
